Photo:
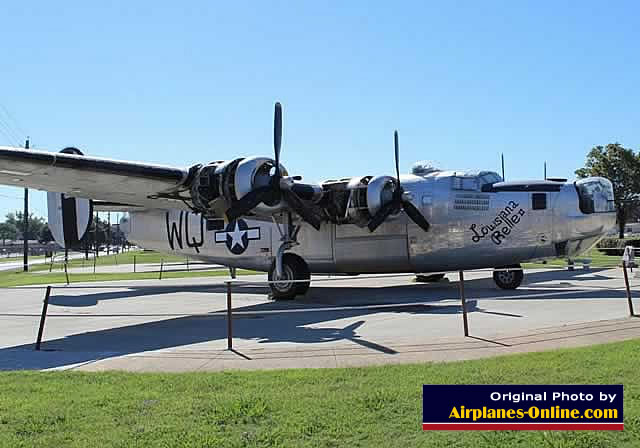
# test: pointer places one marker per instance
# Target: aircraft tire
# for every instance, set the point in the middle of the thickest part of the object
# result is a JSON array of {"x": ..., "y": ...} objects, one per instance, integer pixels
[
  {"x": 508, "y": 279},
  {"x": 294, "y": 268}
]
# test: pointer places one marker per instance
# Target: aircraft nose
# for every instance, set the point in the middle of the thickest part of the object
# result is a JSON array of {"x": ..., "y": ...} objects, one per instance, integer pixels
[
  {"x": 588, "y": 226},
  {"x": 596, "y": 202},
  {"x": 603, "y": 223},
  {"x": 584, "y": 212}
]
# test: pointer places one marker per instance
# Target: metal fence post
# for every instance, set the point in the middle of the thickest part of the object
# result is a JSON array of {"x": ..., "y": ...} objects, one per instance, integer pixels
[
  {"x": 626, "y": 283},
  {"x": 66, "y": 272},
  {"x": 42, "y": 317},
  {"x": 161, "y": 267},
  {"x": 134, "y": 263},
  {"x": 229, "y": 318},
  {"x": 464, "y": 304}
]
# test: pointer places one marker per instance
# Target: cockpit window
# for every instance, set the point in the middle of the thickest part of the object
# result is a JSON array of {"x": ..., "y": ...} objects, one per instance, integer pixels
[
  {"x": 465, "y": 183},
  {"x": 474, "y": 181},
  {"x": 489, "y": 178},
  {"x": 596, "y": 195}
]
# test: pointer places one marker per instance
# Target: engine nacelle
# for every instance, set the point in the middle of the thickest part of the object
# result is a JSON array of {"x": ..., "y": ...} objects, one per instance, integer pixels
[
  {"x": 379, "y": 192},
  {"x": 218, "y": 185},
  {"x": 366, "y": 196}
]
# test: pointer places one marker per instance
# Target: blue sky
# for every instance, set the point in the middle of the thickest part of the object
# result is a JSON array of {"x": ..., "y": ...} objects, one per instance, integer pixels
[{"x": 185, "y": 82}]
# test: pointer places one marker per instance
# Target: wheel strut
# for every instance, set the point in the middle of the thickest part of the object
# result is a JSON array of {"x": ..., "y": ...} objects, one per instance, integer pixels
[{"x": 288, "y": 238}]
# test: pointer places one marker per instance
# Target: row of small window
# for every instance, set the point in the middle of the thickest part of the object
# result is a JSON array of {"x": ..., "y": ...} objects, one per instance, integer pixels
[{"x": 538, "y": 202}]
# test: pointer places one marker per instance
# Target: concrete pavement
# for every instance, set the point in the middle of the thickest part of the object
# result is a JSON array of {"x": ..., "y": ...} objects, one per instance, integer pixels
[{"x": 180, "y": 324}]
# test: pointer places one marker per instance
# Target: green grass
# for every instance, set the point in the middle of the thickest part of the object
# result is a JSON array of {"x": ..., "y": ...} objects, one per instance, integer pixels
[
  {"x": 141, "y": 257},
  {"x": 598, "y": 260},
  {"x": 40, "y": 275},
  {"x": 19, "y": 278},
  {"x": 357, "y": 407}
]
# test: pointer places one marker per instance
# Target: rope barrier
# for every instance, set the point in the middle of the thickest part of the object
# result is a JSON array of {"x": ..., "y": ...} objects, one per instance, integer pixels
[{"x": 229, "y": 284}]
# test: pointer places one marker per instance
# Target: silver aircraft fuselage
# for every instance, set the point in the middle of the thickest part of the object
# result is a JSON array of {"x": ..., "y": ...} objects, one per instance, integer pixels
[{"x": 471, "y": 227}]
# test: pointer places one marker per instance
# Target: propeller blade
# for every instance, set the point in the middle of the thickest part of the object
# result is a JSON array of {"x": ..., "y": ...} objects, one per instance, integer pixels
[
  {"x": 381, "y": 215},
  {"x": 298, "y": 206},
  {"x": 397, "y": 148},
  {"x": 415, "y": 215},
  {"x": 248, "y": 202},
  {"x": 277, "y": 137}
]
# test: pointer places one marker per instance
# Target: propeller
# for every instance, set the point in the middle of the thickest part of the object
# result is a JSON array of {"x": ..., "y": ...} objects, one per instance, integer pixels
[
  {"x": 398, "y": 201},
  {"x": 277, "y": 138},
  {"x": 276, "y": 190}
]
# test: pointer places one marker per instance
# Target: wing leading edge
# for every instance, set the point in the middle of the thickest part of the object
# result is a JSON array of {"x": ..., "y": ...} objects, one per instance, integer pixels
[{"x": 135, "y": 183}]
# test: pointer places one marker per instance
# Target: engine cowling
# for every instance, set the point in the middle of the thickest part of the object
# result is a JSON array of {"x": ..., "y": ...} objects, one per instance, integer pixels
[
  {"x": 366, "y": 196},
  {"x": 379, "y": 192},
  {"x": 252, "y": 173},
  {"x": 218, "y": 185}
]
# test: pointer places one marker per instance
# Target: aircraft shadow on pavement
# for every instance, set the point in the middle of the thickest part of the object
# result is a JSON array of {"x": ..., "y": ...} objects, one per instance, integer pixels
[
  {"x": 265, "y": 328},
  {"x": 285, "y": 326}
]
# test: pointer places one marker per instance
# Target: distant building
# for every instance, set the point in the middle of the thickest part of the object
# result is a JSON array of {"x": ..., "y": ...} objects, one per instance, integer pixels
[
  {"x": 35, "y": 247},
  {"x": 632, "y": 227}
]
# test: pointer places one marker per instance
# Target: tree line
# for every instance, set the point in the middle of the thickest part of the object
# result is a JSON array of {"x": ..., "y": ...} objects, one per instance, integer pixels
[{"x": 13, "y": 228}]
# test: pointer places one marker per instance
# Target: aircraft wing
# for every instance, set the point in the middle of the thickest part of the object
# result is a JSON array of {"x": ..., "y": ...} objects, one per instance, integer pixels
[{"x": 134, "y": 184}]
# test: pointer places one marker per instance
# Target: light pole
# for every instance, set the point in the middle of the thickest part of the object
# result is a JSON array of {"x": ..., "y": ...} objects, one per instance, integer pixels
[{"x": 25, "y": 237}]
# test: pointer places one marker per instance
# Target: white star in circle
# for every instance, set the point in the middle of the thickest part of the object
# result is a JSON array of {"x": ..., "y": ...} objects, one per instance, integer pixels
[{"x": 236, "y": 236}]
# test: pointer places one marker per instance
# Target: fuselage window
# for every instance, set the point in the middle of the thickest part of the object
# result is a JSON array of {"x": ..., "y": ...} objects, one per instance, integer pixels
[{"x": 538, "y": 201}]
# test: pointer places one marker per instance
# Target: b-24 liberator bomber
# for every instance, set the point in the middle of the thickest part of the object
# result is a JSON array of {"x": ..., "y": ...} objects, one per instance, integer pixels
[{"x": 250, "y": 213}]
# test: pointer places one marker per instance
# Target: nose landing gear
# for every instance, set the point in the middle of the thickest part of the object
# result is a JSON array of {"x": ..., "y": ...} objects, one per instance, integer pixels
[{"x": 508, "y": 277}]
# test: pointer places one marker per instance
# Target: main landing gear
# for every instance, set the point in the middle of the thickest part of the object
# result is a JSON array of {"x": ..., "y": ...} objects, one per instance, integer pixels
[
  {"x": 289, "y": 271},
  {"x": 293, "y": 268},
  {"x": 508, "y": 277}
]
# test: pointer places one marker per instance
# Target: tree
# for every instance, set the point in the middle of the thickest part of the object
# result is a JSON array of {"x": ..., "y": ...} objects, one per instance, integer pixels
[
  {"x": 45, "y": 235},
  {"x": 35, "y": 224},
  {"x": 621, "y": 166},
  {"x": 7, "y": 232},
  {"x": 93, "y": 238}
]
